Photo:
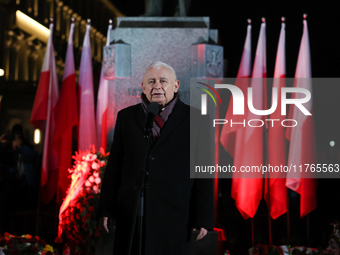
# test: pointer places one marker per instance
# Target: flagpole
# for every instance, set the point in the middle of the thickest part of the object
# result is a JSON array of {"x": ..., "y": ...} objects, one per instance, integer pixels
[
  {"x": 288, "y": 200},
  {"x": 266, "y": 180},
  {"x": 269, "y": 206},
  {"x": 307, "y": 229},
  {"x": 56, "y": 213},
  {"x": 307, "y": 216},
  {"x": 252, "y": 233},
  {"x": 288, "y": 217},
  {"x": 265, "y": 160},
  {"x": 38, "y": 208},
  {"x": 252, "y": 219},
  {"x": 265, "y": 155},
  {"x": 217, "y": 139}
]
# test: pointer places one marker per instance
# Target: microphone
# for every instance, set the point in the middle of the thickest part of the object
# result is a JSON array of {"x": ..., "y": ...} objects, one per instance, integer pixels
[{"x": 151, "y": 113}]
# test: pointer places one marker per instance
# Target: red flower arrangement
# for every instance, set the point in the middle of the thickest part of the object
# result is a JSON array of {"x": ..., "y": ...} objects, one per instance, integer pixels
[
  {"x": 24, "y": 245},
  {"x": 77, "y": 217},
  {"x": 261, "y": 249}
]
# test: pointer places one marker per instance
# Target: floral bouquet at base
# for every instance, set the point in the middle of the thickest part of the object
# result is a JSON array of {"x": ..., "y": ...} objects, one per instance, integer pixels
[
  {"x": 77, "y": 216},
  {"x": 260, "y": 249},
  {"x": 24, "y": 245},
  {"x": 301, "y": 250}
]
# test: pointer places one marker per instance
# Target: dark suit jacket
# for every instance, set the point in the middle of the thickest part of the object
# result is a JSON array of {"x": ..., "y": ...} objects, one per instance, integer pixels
[{"x": 173, "y": 202}]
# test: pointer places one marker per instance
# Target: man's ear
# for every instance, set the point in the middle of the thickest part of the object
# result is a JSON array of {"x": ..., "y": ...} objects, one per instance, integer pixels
[
  {"x": 176, "y": 85},
  {"x": 143, "y": 85}
]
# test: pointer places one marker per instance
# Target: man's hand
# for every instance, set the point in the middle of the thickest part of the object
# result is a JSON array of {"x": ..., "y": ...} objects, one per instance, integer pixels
[
  {"x": 104, "y": 221},
  {"x": 201, "y": 234}
]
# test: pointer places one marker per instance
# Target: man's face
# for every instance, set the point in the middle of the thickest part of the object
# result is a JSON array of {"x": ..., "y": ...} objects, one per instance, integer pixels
[{"x": 159, "y": 85}]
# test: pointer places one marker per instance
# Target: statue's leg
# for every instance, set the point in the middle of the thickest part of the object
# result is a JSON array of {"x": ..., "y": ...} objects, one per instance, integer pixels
[{"x": 153, "y": 7}]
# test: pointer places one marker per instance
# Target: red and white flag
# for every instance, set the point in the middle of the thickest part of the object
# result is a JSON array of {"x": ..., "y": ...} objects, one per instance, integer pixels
[
  {"x": 66, "y": 118},
  {"x": 102, "y": 103},
  {"x": 228, "y": 134},
  {"x": 302, "y": 149},
  {"x": 276, "y": 139},
  {"x": 43, "y": 114},
  {"x": 247, "y": 192},
  {"x": 248, "y": 141},
  {"x": 87, "y": 123}
]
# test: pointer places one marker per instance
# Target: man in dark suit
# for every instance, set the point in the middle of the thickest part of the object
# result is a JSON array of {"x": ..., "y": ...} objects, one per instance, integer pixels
[{"x": 174, "y": 203}]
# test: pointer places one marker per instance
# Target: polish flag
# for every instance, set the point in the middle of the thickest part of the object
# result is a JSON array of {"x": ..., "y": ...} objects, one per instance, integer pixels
[
  {"x": 228, "y": 134},
  {"x": 102, "y": 103},
  {"x": 247, "y": 191},
  {"x": 43, "y": 114},
  {"x": 245, "y": 143},
  {"x": 66, "y": 118},
  {"x": 87, "y": 125},
  {"x": 302, "y": 148},
  {"x": 276, "y": 195}
]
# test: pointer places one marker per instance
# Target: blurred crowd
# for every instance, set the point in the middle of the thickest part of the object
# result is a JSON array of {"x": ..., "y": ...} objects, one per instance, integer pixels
[{"x": 19, "y": 173}]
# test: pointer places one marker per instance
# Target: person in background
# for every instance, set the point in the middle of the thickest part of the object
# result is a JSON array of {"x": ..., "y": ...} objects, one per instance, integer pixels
[{"x": 18, "y": 159}]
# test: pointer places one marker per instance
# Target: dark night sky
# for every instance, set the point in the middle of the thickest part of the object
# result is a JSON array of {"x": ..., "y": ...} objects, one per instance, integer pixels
[{"x": 230, "y": 18}]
